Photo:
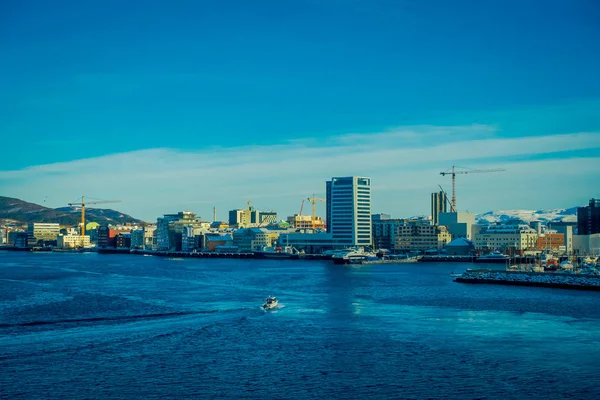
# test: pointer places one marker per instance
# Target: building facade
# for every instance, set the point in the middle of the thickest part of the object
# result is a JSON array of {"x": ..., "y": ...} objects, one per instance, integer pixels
[
  {"x": 72, "y": 241},
  {"x": 507, "y": 237},
  {"x": 459, "y": 224},
  {"x": 421, "y": 238},
  {"x": 42, "y": 233},
  {"x": 349, "y": 210},
  {"x": 439, "y": 202},
  {"x": 252, "y": 239},
  {"x": 588, "y": 218}
]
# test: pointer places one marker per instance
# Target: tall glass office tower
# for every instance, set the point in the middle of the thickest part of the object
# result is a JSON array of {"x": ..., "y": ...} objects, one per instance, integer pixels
[{"x": 349, "y": 210}]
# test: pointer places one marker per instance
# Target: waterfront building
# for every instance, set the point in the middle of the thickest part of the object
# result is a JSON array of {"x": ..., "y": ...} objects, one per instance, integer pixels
[
  {"x": 588, "y": 218},
  {"x": 459, "y": 224},
  {"x": 42, "y": 233},
  {"x": 123, "y": 240},
  {"x": 72, "y": 241},
  {"x": 349, "y": 210},
  {"x": 106, "y": 237},
  {"x": 252, "y": 239},
  {"x": 188, "y": 239},
  {"x": 498, "y": 237},
  {"x": 17, "y": 239},
  {"x": 210, "y": 241},
  {"x": 150, "y": 237},
  {"x": 439, "y": 203},
  {"x": 310, "y": 243},
  {"x": 384, "y": 232},
  {"x": 137, "y": 239},
  {"x": 460, "y": 247},
  {"x": 169, "y": 229},
  {"x": 421, "y": 238}
]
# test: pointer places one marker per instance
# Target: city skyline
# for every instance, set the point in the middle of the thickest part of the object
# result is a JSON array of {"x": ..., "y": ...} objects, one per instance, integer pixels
[{"x": 213, "y": 104}]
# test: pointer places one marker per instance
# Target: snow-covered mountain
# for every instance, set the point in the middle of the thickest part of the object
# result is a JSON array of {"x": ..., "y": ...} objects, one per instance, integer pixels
[{"x": 545, "y": 216}]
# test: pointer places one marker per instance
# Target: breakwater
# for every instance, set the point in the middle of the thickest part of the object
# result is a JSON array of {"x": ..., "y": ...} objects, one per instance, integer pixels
[{"x": 541, "y": 279}]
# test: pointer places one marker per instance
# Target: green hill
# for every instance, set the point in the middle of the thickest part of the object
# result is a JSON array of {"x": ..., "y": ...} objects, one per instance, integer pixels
[{"x": 23, "y": 211}]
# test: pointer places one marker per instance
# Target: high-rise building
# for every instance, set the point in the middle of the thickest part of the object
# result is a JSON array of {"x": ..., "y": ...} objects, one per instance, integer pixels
[
  {"x": 588, "y": 218},
  {"x": 438, "y": 205},
  {"x": 349, "y": 210}
]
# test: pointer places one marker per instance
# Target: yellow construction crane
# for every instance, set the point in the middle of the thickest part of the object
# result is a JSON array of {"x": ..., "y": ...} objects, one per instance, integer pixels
[
  {"x": 454, "y": 172},
  {"x": 313, "y": 201},
  {"x": 82, "y": 204}
]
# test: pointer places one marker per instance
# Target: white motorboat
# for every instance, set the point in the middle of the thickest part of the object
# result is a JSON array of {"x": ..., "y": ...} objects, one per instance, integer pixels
[{"x": 270, "y": 302}]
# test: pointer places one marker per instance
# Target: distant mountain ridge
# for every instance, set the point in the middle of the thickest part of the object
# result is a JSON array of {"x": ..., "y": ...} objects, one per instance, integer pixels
[
  {"x": 22, "y": 211},
  {"x": 544, "y": 216}
]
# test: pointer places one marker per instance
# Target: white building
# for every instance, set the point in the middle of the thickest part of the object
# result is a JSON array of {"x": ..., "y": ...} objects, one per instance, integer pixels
[
  {"x": 502, "y": 237},
  {"x": 72, "y": 241},
  {"x": 586, "y": 244},
  {"x": 459, "y": 224},
  {"x": 349, "y": 210}
]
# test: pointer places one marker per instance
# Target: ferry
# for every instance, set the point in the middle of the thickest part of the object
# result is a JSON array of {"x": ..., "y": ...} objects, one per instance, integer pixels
[
  {"x": 353, "y": 256},
  {"x": 494, "y": 257}
]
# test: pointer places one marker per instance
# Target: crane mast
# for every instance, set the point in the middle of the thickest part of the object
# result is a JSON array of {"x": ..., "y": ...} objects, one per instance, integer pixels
[
  {"x": 82, "y": 204},
  {"x": 454, "y": 172},
  {"x": 314, "y": 200}
]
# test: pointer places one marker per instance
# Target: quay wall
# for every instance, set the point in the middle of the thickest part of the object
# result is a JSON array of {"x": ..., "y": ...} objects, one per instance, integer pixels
[{"x": 540, "y": 279}]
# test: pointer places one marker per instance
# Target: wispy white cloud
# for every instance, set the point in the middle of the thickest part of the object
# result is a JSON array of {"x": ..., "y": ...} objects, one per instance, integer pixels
[{"x": 404, "y": 164}]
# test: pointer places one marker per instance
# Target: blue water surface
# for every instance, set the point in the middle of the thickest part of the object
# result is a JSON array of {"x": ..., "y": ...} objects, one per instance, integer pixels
[{"x": 81, "y": 326}]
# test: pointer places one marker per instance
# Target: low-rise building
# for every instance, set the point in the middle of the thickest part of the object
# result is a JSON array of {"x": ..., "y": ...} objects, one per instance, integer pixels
[
  {"x": 106, "y": 237},
  {"x": 211, "y": 241},
  {"x": 550, "y": 241},
  {"x": 460, "y": 247},
  {"x": 421, "y": 238},
  {"x": 498, "y": 237},
  {"x": 252, "y": 239},
  {"x": 72, "y": 241},
  {"x": 123, "y": 240}
]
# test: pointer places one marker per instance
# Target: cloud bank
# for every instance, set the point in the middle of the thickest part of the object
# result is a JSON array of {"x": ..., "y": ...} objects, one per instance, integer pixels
[{"x": 404, "y": 163}]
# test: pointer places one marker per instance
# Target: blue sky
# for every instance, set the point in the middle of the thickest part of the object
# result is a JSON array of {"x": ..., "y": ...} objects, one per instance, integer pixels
[{"x": 194, "y": 104}]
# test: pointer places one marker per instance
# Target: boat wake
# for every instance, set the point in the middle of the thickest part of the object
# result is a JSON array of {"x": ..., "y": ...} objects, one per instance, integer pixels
[{"x": 108, "y": 319}]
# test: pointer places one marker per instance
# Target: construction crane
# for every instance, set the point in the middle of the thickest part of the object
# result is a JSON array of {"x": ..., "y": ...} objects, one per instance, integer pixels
[
  {"x": 82, "y": 204},
  {"x": 314, "y": 200},
  {"x": 454, "y": 172},
  {"x": 301, "y": 208}
]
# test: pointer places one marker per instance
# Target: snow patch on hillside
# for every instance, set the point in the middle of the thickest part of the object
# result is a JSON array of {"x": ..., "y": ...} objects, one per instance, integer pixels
[{"x": 545, "y": 216}]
